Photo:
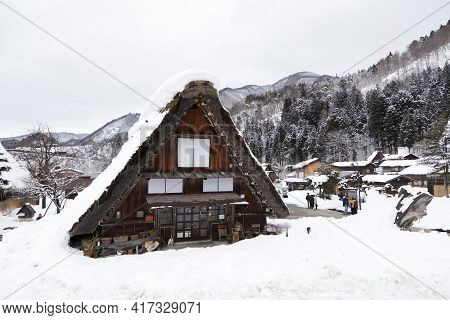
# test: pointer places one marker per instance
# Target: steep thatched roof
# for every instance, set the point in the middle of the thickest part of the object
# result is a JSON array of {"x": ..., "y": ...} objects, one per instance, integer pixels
[{"x": 203, "y": 94}]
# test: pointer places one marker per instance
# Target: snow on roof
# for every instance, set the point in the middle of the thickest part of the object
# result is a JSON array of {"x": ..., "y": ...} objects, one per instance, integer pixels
[
  {"x": 304, "y": 163},
  {"x": 355, "y": 164},
  {"x": 420, "y": 169},
  {"x": 318, "y": 179},
  {"x": 438, "y": 215},
  {"x": 380, "y": 178},
  {"x": 398, "y": 163},
  {"x": 372, "y": 156},
  {"x": 17, "y": 175},
  {"x": 167, "y": 91},
  {"x": 392, "y": 157}
]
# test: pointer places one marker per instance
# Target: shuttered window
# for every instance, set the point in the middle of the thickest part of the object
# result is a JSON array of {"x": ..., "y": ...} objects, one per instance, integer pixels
[
  {"x": 218, "y": 185},
  {"x": 193, "y": 153},
  {"x": 161, "y": 186}
]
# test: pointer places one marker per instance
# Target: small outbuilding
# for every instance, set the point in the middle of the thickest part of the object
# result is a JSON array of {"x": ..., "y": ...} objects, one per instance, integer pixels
[{"x": 26, "y": 213}]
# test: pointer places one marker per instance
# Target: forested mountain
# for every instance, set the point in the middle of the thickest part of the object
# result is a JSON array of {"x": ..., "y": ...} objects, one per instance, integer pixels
[{"x": 340, "y": 118}]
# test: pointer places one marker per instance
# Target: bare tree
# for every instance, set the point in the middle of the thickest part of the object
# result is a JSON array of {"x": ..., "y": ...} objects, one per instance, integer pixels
[{"x": 45, "y": 166}]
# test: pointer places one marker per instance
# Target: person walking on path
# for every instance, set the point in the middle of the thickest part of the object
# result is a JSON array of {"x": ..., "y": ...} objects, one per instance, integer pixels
[
  {"x": 315, "y": 202},
  {"x": 308, "y": 201},
  {"x": 345, "y": 204},
  {"x": 311, "y": 201}
]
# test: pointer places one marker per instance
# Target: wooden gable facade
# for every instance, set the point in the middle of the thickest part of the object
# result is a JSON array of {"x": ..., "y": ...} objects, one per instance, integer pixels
[{"x": 193, "y": 176}]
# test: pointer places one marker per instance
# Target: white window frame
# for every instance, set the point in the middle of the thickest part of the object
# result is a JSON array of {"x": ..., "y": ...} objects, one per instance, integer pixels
[
  {"x": 194, "y": 152},
  {"x": 165, "y": 186}
]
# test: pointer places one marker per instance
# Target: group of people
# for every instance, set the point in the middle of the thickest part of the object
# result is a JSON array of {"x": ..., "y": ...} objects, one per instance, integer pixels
[
  {"x": 351, "y": 203},
  {"x": 312, "y": 201}
]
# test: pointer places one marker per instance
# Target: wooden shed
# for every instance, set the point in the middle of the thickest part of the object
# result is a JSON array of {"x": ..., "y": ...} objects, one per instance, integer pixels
[
  {"x": 26, "y": 212},
  {"x": 192, "y": 179}
]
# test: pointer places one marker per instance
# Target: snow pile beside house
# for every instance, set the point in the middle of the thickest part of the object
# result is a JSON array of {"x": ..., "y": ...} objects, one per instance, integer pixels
[{"x": 16, "y": 175}]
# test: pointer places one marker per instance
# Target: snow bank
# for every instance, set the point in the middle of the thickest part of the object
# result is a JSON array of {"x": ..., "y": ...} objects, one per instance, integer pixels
[
  {"x": 438, "y": 215},
  {"x": 17, "y": 175}
]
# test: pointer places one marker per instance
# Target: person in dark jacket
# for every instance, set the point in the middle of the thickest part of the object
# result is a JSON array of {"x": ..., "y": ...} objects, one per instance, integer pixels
[
  {"x": 308, "y": 196},
  {"x": 345, "y": 203},
  {"x": 311, "y": 201}
]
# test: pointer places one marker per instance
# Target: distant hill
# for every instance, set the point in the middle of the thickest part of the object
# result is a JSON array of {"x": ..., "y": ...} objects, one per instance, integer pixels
[
  {"x": 111, "y": 129},
  {"x": 61, "y": 137},
  {"x": 232, "y": 99}
]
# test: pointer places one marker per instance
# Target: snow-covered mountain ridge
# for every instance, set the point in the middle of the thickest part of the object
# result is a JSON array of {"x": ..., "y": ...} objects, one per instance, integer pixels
[{"x": 232, "y": 97}]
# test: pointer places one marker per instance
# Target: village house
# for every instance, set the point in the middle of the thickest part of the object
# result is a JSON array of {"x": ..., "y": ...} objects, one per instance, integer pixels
[
  {"x": 271, "y": 170},
  {"x": 306, "y": 168},
  {"x": 376, "y": 158},
  {"x": 293, "y": 183},
  {"x": 363, "y": 167},
  {"x": 396, "y": 166},
  {"x": 402, "y": 156},
  {"x": 417, "y": 174},
  {"x": 381, "y": 180},
  {"x": 436, "y": 185},
  {"x": 192, "y": 179}
]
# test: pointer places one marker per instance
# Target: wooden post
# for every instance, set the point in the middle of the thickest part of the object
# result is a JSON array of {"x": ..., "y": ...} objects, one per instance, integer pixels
[{"x": 233, "y": 214}]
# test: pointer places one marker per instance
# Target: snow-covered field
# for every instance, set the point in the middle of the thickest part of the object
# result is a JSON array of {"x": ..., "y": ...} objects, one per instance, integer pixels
[{"x": 329, "y": 263}]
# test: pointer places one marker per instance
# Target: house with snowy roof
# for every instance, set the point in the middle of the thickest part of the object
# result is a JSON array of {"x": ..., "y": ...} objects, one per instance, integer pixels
[
  {"x": 389, "y": 166},
  {"x": 417, "y": 174},
  {"x": 376, "y": 157},
  {"x": 381, "y": 180},
  {"x": 363, "y": 167},
  {"x": 190, "y": 176},
  {"x": 271, "y": 170},
  {"x": 306, "y": 168}
]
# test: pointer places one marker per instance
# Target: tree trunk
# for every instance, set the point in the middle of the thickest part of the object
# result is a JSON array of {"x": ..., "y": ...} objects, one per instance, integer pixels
[{"x": 44, "y": 202}]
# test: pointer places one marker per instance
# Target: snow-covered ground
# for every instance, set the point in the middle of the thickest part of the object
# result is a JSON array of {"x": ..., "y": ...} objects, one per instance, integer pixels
[
  {"x": 327, "y": 263},
  {"x": 438, "y": 215}
]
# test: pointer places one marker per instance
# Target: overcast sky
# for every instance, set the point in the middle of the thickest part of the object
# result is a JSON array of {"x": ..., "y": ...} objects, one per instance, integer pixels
[{"x": 145, "y": 42}]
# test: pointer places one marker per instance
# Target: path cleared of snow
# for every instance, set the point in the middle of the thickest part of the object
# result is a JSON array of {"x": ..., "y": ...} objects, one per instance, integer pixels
[{"x": 326, "y": 264}]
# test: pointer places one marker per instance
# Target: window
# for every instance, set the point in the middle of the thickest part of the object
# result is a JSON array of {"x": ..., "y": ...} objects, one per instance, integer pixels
[
  {"x": 118, "y": 214},
  {"x": 140, "y": 214},
  {"x": 217, "y": 213},
  {"x": 193, "y": 153},
  {"x": 217, "y": 184},
  {"x": 160, "y": 186}
]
